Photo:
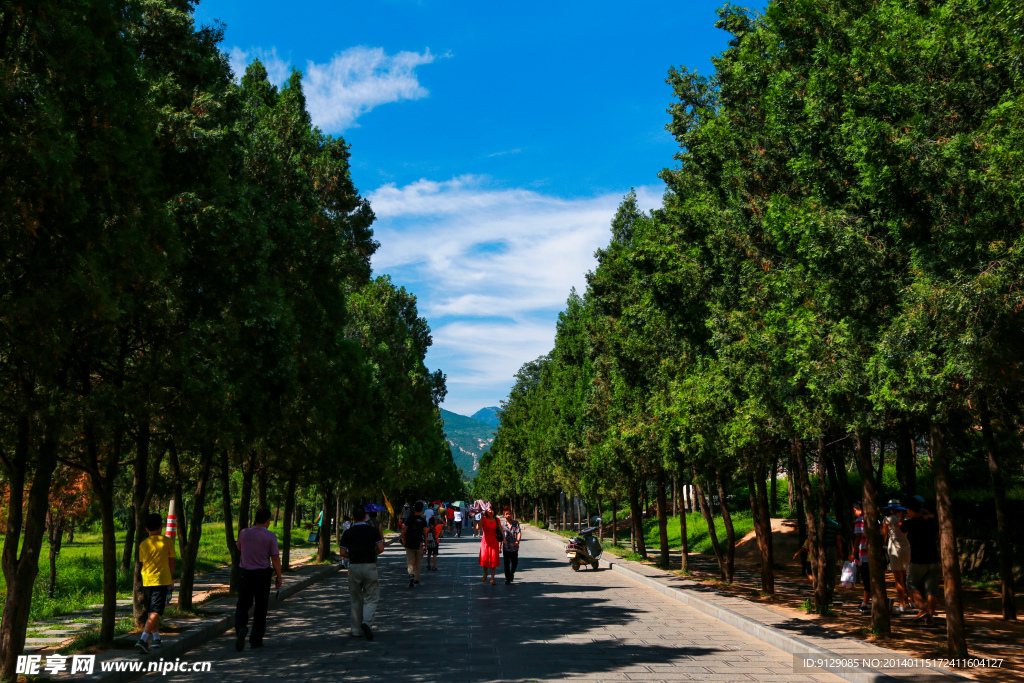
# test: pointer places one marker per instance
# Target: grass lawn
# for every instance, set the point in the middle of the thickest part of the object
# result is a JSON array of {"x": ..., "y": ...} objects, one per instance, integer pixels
[{"x": 80, "y": 569}]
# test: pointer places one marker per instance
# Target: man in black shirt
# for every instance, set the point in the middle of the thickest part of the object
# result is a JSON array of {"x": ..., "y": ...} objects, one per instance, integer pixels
[
  {"x": 925, "y": 573},
  {"x": 361, "y": 544},
  {"x": 414, "y": 537}
]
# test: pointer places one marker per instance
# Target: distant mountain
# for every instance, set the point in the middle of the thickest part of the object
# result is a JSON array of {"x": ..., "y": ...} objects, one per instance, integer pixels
[
  {"x": 491, "y": 416},
  {"x": 469, "y": 440}
]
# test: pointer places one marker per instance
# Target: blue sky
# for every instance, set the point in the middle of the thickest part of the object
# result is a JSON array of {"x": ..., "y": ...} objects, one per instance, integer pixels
[{"x": 494, "y": 143}]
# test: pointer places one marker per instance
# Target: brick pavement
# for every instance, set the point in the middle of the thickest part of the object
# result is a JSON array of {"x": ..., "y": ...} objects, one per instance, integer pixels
[{"x": 551, "y": 624}]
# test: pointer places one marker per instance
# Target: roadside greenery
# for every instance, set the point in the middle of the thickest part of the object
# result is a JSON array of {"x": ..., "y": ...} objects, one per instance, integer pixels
[
  {"x": 832, "y": 286},
  {"x": 187, "y": 310}
]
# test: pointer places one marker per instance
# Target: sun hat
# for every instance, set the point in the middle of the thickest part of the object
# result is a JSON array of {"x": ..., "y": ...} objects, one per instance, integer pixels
[{"x": 894, "y": 504}]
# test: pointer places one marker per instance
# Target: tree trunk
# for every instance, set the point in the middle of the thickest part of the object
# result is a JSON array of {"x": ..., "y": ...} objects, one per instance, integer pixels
[
  {"x": 881, "y": 462},
  {"x": 792, "y": 492},
  {"x": 286, "y": 533},
  {"x": 662, "y": 518},
  {"x": 323, "y": 553},
  {"x": 906, "y": 459},
  {"x": 179, "y": 498},
  {"x": 675, "y": 496},
  {"x": 25, "y": 523},
  {"x": 956, "y": 639},
  {"x": 261, "y": 487},
  {"x": 127, "y": 553},
  {"x": 229, "y": 525},
  {"x": 109, "y": 544},
  {"x": 337, "y": 519},
  {"x": 805, "y": 498},
  {"x": 600, "y": 526},
  {"x": 730, "y": 531},
  {"x": 880, "y": 621},
  {"x": 55, "y": 533},
  {"x": 535, "y": 506},
  {"x": 637, "y": 520},
  {"x": 705, "y": 508},
  {"x": 684, "y": 542},
  {"x": 71, "y": 532},
  {"x": 140, "y": 510},
  {"x": 762, "y": 526},
  {"x": 615, "y": 522},
  {"x": 773, "y": 506},
  {"x": 1003, "y": 547},
  {"x": 188, "y": 564},
  {"x": 826, "y": 556},
  {"x": 245, "y": 494}
]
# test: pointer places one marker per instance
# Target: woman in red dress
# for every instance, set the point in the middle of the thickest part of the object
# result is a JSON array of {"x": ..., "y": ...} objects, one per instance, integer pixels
[{"x": 489, "y": 548}]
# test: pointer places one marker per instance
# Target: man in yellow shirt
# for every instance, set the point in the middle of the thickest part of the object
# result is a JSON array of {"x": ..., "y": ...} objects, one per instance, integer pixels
[{"x": 157, "y": 556}]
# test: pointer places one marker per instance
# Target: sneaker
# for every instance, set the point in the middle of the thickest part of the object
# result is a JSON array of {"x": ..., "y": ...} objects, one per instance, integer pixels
[
  {"x": 142, "y": 646},
  {"x": 156, "y": 644},
  {"x": 417, "y": 582},
  {"x": 256, "y": 646},
  {"x": 367, "y": 631},
  {"x": 864, "y": 609},
  {"x": 240, "y": 638},
  {"x": 412, "y": 582}
]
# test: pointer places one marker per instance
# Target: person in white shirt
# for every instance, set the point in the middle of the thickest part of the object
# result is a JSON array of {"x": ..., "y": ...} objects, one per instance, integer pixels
[
  {"x": 458, "y": 522},
  {"x": 428, "y": 513}
]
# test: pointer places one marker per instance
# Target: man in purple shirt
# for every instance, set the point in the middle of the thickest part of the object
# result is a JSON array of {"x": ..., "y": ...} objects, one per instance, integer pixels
[{"x": 259, "y": 551}]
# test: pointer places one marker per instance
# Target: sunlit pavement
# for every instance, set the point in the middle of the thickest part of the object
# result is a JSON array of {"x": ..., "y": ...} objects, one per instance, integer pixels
[{"x": 551, "y": 623}]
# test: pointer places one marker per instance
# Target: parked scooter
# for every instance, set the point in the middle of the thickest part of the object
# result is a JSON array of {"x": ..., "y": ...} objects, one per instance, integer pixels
[{"x": 584, "y": 549}]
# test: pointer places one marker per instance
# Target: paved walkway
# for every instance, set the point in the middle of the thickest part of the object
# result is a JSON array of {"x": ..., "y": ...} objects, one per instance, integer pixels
[{"x": 551, "y": 624}]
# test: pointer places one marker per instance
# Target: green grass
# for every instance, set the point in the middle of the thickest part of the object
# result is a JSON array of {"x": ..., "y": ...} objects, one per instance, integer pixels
[
  {"x": 80, "y": 570},
  {"x": 697, "y": 537}
]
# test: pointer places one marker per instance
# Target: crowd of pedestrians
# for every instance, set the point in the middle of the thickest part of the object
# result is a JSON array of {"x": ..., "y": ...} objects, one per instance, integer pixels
[
  {"x": 422, "y": 529},
  {"x": 910, "y": 536}
]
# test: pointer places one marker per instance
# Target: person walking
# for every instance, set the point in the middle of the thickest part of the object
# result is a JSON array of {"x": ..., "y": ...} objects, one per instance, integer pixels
[
  {"x": 458, "y": 522},
  {"x": 489, "y": 548},
  {"x": 259, "y": 557},
  {"x": 511, "y": 534},
  {"x": 450, "y": 517},
  {"x": 435, "y": 529},
  {"x": 898, "y": 549},
  {"x": 157, "y": 556},
  {"x": 360, "y": 545},
  {"x": 860, "y": 552},
  {"x": 477, "y": 517},
  {"x": 924, "y": 574},
  {"x": 414, "y": 537}
]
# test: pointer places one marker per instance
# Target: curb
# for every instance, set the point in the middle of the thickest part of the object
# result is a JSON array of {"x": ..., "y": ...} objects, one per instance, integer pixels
[
  {"x": 768, "y": 634},
  {"x": 211, "y": 628}
]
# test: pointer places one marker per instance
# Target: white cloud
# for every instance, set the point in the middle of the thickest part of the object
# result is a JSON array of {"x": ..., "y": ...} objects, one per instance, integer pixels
[
  {"x": 278, "y": 69},
  {"x": 359, "y": 79},
  {"x": 491, "y": 268},
  {"x": 351, "y": 84}
]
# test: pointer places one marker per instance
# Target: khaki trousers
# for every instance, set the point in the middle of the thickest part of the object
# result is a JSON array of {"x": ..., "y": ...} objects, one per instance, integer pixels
[
  {"x": 364, "y": 591},
  {"x": 413, "y": 562}
]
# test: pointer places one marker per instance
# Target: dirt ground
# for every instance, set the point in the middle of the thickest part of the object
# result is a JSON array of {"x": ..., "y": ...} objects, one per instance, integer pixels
[{"x": 988, "y": 635}]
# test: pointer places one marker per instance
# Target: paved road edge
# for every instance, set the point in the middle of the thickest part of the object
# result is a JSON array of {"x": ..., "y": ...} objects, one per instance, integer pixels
[
  {"x": 767, "y": 634},
  {"x": 211, "y": 628}
]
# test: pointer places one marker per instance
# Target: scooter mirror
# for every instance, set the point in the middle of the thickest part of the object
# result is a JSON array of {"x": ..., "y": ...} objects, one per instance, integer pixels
[{"x": 594, "y": 521}]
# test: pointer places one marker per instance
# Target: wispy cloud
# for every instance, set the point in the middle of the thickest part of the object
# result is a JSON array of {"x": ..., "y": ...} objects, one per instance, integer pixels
[
  {"x": 351, "y": 84},
  {"x": 492, "y": 267},
  {"x": 277, "y": 69},
  {"x": 507, "y": 151}
]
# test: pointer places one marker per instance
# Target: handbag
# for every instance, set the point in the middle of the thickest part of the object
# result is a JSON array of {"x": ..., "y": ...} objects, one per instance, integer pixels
[
  {"x": 849, "y": 575},
  {"x": 499, "y": 533}
]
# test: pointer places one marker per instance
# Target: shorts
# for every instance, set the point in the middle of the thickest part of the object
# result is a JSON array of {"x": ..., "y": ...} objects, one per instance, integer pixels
[
  {"x": 155, "y": 598},
  {"x": 863, "y": 569},
  {"x": 432, "y": 550},
  {"x": 806, "y": 568},
  {"x": 924, "y": 578}
]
